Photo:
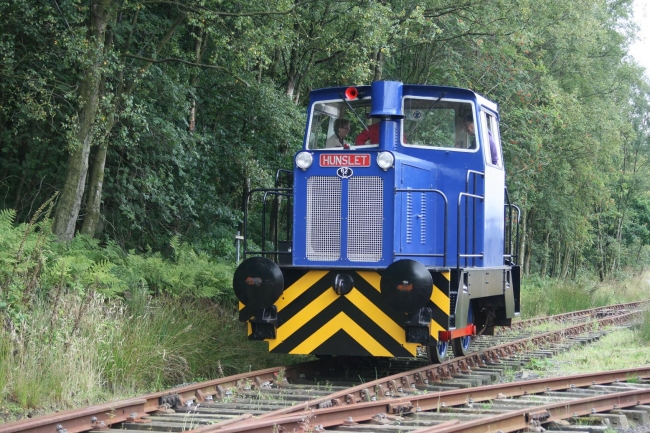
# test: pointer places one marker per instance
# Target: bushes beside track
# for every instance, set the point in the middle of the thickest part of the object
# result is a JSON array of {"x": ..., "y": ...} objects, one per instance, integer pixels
[
  {"x": 548, "y": 296},
  {"x": 84, "y": 322}
]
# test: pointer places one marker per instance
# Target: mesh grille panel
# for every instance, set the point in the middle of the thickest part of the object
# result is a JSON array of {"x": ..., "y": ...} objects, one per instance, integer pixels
[
  {"x": 365, "y": 219},
  {"x": 323, "y": 218}
]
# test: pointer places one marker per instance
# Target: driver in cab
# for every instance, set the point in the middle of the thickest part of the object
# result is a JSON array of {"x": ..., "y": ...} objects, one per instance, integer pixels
[{"x": 341, "y": 130}]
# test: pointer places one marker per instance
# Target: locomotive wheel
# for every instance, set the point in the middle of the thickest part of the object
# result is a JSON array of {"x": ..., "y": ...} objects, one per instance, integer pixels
[
  {"x": 437, "y": 353},
  {"x": 461, "y": 345}
]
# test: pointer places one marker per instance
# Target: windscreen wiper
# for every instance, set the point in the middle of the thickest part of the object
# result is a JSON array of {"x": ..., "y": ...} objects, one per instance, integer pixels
[
  {"x": 442, "y": 95},
  {"x": 363, "y": 123}
]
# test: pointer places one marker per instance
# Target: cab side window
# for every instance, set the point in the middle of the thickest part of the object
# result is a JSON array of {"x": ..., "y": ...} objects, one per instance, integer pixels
[{"x": 492, "y": 139}]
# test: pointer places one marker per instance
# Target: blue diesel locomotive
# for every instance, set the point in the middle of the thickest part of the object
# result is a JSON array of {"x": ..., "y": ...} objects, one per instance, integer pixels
[{"x": 394, "y": 231}]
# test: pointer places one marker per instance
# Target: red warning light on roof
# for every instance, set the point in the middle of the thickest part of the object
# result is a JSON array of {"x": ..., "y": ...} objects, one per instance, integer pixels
[{"x": 351, "y": 93}]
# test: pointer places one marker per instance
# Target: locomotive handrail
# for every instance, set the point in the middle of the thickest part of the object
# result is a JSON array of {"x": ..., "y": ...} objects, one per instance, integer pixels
[
  {"x": 473, "y": 190},
  {"x": 276, "y": 195},
  {"x": 274, "y": 191},
  {"x": 509, "y": 239},
  {"x": 444, "y": 234},
  {"x": 289, "y": 174},
  {"x": 289, "y": 181},
  {"x": 480, "y": 173},
  {"x": 460, "y": 198}
]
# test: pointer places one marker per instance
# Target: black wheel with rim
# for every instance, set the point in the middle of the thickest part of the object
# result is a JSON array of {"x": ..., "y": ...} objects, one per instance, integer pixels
[
  {"x": 437, "y": 353},
  {"x": 461, "y": 345}
]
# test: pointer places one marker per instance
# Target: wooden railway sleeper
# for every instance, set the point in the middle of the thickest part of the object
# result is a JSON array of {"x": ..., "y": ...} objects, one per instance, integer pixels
[
  {"x": 539, "y": 416},
  {"x": 380, "y": 419}
]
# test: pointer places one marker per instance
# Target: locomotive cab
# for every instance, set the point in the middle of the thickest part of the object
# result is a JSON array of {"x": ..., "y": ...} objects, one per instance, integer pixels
[{"x": 398, "y": 228}]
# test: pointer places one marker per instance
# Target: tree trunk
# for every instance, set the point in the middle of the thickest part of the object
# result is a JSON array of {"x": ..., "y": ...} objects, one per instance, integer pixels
[
  {"x": 292, "y": 72},
  {"x": 557, "y": 253},
  {"x": 529, "y": 253},
  {"x": 546, "y": 254},
  {"x": 67, "y": 210},
  {"x": 566, "y": 261},
  {"x": 574, "y": 268},
  {"x": 194, "y": 78},
  {"x": 522, "y": 248},
  {"x": 95, "y": 184},
  {"x": 93, "y": 203},
  {"x": 379, "y": 65}
]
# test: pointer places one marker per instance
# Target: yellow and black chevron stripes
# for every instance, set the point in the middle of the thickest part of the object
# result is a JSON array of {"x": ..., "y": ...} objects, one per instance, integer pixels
[
  {"x": 317, "y": 320},
  {"x": 439, "y": 303},
  {"x": 314, "y": 319}
]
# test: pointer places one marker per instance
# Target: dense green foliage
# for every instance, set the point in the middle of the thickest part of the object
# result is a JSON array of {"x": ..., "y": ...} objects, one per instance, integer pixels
[
  {"x": 152, "y": 118},
  {"x": 140, "y": 125},
  {"x": 35, "y": 266}
]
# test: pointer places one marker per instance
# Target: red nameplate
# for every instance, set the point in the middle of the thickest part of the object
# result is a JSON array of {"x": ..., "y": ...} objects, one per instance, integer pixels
[{"x": 344, "y": 160}]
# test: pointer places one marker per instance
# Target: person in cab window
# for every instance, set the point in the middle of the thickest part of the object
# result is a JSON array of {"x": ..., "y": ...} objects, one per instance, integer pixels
[
  {"x": 341, "y": 130},
  {"x": 469, "y": 127}
]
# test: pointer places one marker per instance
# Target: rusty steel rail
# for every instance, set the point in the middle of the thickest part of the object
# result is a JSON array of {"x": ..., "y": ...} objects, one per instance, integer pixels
[
  {"x": 592, "y": 312},
  {"x": 533, "y": 417},
  {"x": 94, "y": 417},
  {"x": 407, "y": 383},
  {"x": 334, "y": 416}
]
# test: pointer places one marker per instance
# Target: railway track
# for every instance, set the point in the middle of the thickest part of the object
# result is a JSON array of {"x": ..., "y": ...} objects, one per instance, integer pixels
[{"x": 341, "y": 393}]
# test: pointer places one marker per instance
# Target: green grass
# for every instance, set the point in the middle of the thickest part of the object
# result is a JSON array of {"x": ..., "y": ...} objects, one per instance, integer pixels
[
  {"x": 84, "y": 322},
  {"x": 546, "y": 296},
  {"x": 117, "y": 349},
  {"x": 618, "y": 350},
  {"x": 643, "y": 329}
]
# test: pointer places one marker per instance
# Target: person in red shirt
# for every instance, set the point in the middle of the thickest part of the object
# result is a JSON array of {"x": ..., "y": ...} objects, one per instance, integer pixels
[{"x": 368, "y": 136}]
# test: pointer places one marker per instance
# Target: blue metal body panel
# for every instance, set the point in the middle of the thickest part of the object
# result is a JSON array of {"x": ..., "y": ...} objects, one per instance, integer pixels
[
  {"x": 395, "y": 241},
  {"x": 300, "y": 211},
  {"x": 418, "y": 232}
]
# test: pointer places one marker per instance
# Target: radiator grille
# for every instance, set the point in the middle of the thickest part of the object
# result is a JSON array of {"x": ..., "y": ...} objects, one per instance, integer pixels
[
  {"x": 323, "y": 218},
  {"x": 365, "y": 217}
]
